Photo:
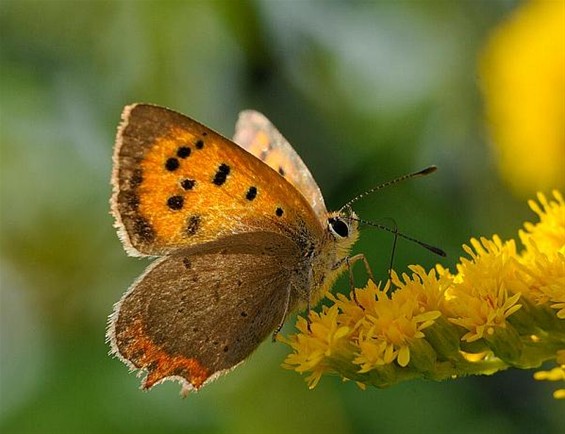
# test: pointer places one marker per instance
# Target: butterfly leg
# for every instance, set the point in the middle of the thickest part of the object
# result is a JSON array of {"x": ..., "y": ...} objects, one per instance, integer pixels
[
  {"x": 308, "y": 319},
  {"x": 285, "y": 314},
  {"x": 350, "y": 262},
  {"x": 309, "y": 305}
]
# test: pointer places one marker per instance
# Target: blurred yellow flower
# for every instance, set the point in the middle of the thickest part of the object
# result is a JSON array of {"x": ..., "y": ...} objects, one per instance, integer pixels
[
  {"x": 522, "y": 70},
  {"x": 503, "y": 308},
  {"x": 555, "y": 374}
]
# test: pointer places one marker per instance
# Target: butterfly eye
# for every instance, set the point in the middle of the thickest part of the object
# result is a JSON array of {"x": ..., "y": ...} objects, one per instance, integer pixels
[{"x": 338, "y": 227}]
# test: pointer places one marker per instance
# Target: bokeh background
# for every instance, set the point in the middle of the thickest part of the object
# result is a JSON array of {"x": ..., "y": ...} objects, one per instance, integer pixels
[{"x": 365, "y": 91}]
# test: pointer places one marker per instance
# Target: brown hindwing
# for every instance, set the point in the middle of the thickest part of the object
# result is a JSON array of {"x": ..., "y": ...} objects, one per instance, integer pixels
[{"x": 192, "y": 316}]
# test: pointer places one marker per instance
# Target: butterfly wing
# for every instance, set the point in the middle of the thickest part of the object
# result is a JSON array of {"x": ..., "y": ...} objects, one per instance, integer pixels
[
  {"x": 256, "y": 134},
  {"x": 176, "y": 183},
  {"x": 195, "y": 315}
]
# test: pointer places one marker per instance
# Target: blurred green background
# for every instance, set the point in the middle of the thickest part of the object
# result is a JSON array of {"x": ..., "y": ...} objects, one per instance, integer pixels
[{"x": 364, "y": 91}]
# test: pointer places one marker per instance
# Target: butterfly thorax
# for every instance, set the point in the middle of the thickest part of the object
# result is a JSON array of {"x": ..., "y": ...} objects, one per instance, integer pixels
[{"x": 328, "y": 258}]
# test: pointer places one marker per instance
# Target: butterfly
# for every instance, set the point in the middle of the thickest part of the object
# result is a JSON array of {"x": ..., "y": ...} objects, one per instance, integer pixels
[{"x": 241, "y": 234}]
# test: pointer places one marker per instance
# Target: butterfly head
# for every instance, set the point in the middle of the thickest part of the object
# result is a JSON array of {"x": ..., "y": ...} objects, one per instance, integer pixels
[{"x": 343, "y": 227}]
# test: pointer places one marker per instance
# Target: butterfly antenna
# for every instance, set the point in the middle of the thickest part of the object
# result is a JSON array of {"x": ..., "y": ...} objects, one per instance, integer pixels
[
  {"x": 391, "y": 265},
  {"x": 427, "y": 246},
  {"x": 423, "y": 172}
]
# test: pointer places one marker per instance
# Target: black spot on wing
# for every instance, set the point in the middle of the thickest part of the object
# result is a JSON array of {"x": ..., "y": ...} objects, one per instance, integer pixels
[
  {"x": 175, "y": 202},
  {"x": 192, "y": 224},
  {"x": 187, "y": 184},
  {"x": 183, "y": 152},
  {"x": 172, "y": 164},
  {"x": 251, "y": 193},
  {"x": 221, "y": 174}
]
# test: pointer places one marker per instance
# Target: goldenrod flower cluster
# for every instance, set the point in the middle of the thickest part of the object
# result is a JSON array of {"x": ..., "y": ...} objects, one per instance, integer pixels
[{"x": 501, "y": 308}]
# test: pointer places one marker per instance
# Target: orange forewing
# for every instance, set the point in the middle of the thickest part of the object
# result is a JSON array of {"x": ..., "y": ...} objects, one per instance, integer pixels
[
  {"x": 178, "y": 184},
  {"x": 257, "y": 135}
]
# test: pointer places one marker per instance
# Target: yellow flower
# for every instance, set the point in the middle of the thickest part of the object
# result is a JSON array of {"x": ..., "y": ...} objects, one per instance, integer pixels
[
  {"x": 503, "y": 308},
  {"x": 549, "y": 233},
  {"x": 544, "y": 256},
  {"x": 426, "y": 289},
  {"x": 523, "y": 77},
  {"x": 390, "y": 326},
  {"x": 316, "y": 343},
  {"x": 487, "y": 290}
]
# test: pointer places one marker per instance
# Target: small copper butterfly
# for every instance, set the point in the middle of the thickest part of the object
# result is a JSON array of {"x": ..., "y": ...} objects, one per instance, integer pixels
[{"x": 241, "y": 233}]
